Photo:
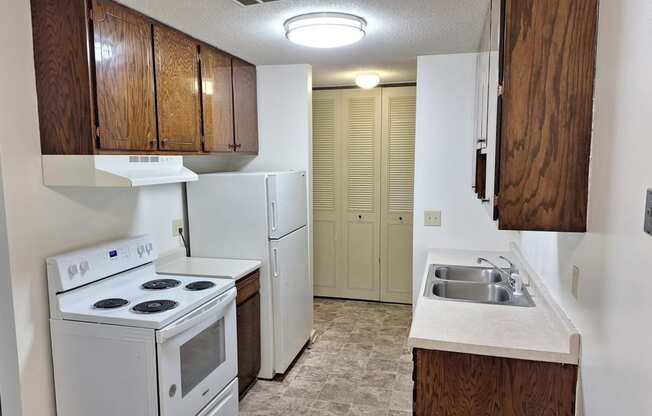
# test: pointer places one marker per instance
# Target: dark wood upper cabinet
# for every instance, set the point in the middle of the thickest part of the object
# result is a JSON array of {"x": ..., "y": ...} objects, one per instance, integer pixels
[
  {"x": 548, "y": 74},
  {"x": 481, "y": 174},
  {"x": 542, "y": 70},
  {"x": 63, "y": 77},
  {"x": 217, "y": 96},
  {"x": 111, "y": 80},
  {"x": 245, "y": 107},
  {"x": 177, "y": 90},
  {"x": 124, "y": 73}
]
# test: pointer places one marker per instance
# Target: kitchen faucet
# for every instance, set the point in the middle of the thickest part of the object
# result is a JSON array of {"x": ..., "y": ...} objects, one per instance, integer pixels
[
  {"x": 513, "y": 277},
  {"x": 498, "y": 269},
  {"x": 512, "y": 266}
]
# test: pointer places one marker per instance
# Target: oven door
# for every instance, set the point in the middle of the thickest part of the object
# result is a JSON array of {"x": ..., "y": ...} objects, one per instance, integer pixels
[{"x": 197, "y": 357}]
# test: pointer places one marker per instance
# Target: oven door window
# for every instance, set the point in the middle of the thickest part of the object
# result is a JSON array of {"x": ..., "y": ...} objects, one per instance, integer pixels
[{"x": 202, "y": 355}]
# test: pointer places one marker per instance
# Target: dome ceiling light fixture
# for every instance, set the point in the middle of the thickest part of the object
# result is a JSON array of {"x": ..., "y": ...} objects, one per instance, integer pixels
[
  {"x": 325, "y": 30},
  {"x": 367, "y": 81}
]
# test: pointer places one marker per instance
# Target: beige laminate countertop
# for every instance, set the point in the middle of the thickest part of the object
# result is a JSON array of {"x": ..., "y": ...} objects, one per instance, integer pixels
[
  {"x": 209, "y": 267},
  {"x": 540, "y": 333}
]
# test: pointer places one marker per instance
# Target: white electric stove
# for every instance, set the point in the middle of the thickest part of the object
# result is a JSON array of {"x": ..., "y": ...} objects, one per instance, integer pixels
[{"x": 126, "y": 340}]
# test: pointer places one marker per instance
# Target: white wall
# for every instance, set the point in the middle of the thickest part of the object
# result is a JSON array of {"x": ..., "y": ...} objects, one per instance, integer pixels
[
  {"x": 9, "y": 380},
  {"x": 614, "y": 307},
  {"x": 45, "y": 221},
  {"x": 443, "y": 162}
]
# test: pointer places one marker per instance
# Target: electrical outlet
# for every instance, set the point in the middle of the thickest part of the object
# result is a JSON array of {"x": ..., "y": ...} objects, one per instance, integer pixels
[
  {"x": 575, "y": 282},
  {"x": 176, "y": 224},
  {"x": 432, "y": 218}
]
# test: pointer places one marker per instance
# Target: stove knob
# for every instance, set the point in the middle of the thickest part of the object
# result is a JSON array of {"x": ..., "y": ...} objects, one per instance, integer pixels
[
  {"x": 84, "y": 267},
  {"x": 140, "y": 250},
  {"x": 149, "y": 248},
  {"x": 72, "y": 270}
]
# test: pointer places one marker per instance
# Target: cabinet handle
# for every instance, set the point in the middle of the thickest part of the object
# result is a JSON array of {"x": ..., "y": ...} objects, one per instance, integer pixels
[{"x": 163, "y": 142}]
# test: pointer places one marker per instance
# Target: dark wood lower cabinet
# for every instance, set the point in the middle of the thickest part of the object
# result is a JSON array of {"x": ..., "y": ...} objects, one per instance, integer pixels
[
  {"x": 455, "y": 384},
  {"x": 248, "y": 317}
]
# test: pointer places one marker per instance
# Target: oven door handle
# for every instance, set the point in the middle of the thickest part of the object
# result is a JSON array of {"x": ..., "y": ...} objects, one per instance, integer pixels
[{"x": 208, "y": 311}]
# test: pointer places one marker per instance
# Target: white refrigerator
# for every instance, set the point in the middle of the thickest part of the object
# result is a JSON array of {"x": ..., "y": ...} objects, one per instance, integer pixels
[{"x": 261, "y": 216}]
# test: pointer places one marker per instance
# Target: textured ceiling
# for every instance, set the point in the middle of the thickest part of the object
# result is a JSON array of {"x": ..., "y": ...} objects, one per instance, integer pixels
[{"x": 398, "y": 31}]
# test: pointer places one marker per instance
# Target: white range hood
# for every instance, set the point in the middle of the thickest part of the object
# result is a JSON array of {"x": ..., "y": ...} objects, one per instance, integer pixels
[{"x": 114, "y": 170}]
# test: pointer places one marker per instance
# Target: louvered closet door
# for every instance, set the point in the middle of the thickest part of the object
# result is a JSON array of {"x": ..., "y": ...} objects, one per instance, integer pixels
[
  {"x": 326, "y": 166},
  {"x": 399, "y": 122},
  {"x": 361, "y": 150}
]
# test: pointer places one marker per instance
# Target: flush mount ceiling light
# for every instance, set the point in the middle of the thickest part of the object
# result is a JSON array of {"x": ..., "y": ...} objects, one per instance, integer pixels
[
  {"x": 325, "y": 30},
  {"x": 367, "y": 81}
]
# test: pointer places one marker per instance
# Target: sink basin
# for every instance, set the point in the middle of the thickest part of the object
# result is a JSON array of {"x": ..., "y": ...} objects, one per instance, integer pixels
[
  {"x": 468, "y": 274},
  {"x": 473, "y": 284},
  {"x": 489, "y": 293}
]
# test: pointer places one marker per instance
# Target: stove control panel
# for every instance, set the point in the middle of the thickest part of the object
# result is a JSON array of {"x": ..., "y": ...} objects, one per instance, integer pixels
[{"x": 81, "y": 267}]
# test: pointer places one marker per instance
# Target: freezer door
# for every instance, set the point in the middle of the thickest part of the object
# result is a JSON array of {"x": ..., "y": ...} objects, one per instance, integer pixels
[
  {"x": 292, "y": 297},
  {"x": 287, "y": 203}
]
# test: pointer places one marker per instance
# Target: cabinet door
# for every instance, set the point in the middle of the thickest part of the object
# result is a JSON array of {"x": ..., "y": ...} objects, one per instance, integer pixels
[
  {"x": 397, "y": 193},
  {"x": 245, "y": 107},
  {"x": 248, "y": 321},
  {"x": 547, "y": 109},
  {"x": 124, "y": 73},
  {"x": 217, "y": 95},
  {"x": 177, "y": 91},
  {"x": 248, "y": 318}
]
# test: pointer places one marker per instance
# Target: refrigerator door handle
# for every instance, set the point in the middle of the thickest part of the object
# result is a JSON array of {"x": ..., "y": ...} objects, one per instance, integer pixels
[
  {"x": 274, "y": 217},
  {"x": 275, "y": 271}
]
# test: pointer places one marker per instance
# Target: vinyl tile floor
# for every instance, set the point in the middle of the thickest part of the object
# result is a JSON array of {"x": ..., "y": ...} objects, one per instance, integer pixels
[{"x": 359, "y": 365}]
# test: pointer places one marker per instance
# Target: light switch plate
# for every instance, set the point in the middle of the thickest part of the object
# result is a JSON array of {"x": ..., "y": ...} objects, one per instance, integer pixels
[
  {"x": 432, "y": 218},
  {"x": 648, "y": 212}
]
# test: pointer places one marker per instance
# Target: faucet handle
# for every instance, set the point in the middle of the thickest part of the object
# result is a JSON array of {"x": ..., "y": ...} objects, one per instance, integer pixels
[
  {"x": 516, "y": 280},
  {"x": 512, "y": 266}
]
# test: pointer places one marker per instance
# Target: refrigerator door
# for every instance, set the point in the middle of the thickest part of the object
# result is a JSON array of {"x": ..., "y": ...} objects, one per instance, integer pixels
[
  {"x": 287, "y": 203},
  {"x": 292, "y": 297}
]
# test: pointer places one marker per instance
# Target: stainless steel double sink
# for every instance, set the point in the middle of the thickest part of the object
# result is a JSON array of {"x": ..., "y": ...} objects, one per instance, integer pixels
[{"x": 473, "y": 284}]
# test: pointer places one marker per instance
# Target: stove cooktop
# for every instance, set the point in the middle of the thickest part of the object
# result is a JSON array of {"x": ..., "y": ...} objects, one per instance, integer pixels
[{"x": 140, "y": 298}]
